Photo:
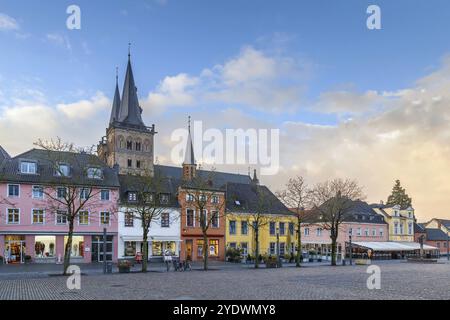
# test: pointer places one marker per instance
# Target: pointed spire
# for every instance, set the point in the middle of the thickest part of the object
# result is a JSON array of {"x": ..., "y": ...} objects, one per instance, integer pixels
[
  {"x": 189, "y": 157},
  {"x": 255, "y": 179},
  {"x": 130, "y": 111},
  {"x": 115, "y": 111}
]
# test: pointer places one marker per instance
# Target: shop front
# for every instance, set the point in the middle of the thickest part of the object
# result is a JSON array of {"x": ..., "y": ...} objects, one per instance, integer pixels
[
  {"x": 193, "y": 249},
  {"x": 132, "y": 246},
  {"x": 15, "y": 248}
]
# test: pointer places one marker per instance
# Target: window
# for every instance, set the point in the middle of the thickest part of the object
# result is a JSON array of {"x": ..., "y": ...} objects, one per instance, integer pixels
[
  {"x": 130, "y": 249},
  {"x": 306, "y": 231},
  {"x": 104, "y": 195},
  {"x": 38, "y": 192},
  {"x": 445, "y": 244},
  {"x": 291, "y": 228},
  {"x": 83, "y": 218},
  {"x": 358, "y": 232},
  {"x": 13, "y": 216},
  {"x": 77, "y": 249},
  {"x": 396, "y": 213},
  {"x": 129, "y": 163},
  {"x": 164, "y": 198},
  {"x": 200, "y": 248},
  {"x": 94, "y": 173},
  {"x": 215, "y": 219},
  {"x": 132, "y": 196},
  {"x": 232, "y": 245},
  {"x": 190, "y": 218},
  {"x": 165, "y": 220},
  {"x": 189, "y": 197},
  {"x": 409, "y": 214},
  {"x": 202, "y": 198},
  {"x": 61, "y": 217},
  {"x": 85, "y": 193},
  {"x": 410, "y": 228},
  {"x": 438, "y": 244},
  {"x": 350, "y": 231},
  {"x": 244, "y": 227},
  {"x": 215, "y": 199},
  {"x": 272, "y": 248},
  {"x": 38, "y": 216},
  {"x": 138, "y": 164},
  {"x": 62, "y": 170},
  {"x": 129, "y": 220},
  {"x": 374, "y": 232},
  {"x": 401, "y": 228},
  {"x": 232, "y": 227},
  {"x": 13, "y": 190},
  {"x": 61, "y": 193},
  {"x": 366, "y": 232},
  {"x": 282, "y": 229},
  {"x": 396, "y": 228},
  {"x": 138, "y": 146},
  {"x": 213, "y": 247},
  {"x": 319, "y": 232},
  {"x": 282, "y": 248},
  {"x": 129, "y": 145},
  {"x": 272, "y": 228},
  {"x": 28, "y": 167},
  {"x": 104, "y": 218},
  {"x": 381, "y": 232},
  {"x": 44, "y": 246}
]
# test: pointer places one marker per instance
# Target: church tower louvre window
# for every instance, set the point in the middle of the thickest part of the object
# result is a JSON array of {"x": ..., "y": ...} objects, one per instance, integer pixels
[{"x": 128, "y": 140}]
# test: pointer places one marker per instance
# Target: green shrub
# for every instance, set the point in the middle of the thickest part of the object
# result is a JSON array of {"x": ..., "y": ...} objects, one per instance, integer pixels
[{"x": 233, "y": 255}]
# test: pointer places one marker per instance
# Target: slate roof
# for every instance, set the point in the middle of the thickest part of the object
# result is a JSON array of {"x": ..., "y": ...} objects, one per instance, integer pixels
[
  {"x": 361, "y": 212},
  {"x": 435, "y": 235},
  {"x": 249, "y": 200},
  {"x": 78, "y": 162},
  {"x": 445, "y": 222},
  {"x": 419, "y": 228},
  {"x": 115, "y": 106},
  {"x": 189, "y": 157}
]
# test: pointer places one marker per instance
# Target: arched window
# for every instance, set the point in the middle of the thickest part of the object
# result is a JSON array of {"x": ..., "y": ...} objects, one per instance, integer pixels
[
  {"x": 121, "y": 142},
  {"x": 129, "y": 143},
  {"x": 138, "y": 145}
]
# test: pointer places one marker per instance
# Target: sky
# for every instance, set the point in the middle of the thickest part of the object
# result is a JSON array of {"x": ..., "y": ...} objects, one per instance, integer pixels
[{"x": 370, "y": 105}]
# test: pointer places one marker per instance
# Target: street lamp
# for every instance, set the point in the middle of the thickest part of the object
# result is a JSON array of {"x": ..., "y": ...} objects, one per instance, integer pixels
[
  {"x": 350, "y": 246},
  {"x": 278, "y": 247}
]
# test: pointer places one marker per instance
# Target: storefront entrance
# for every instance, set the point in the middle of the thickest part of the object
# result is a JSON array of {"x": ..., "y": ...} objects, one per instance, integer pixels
[
  {"x": 15, "y": 249},
  {"x": 97, "y": 248}
]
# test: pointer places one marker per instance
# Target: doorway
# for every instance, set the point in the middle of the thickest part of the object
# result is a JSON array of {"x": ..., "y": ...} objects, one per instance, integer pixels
[
  {"x": 97, "y": 248},
  {"x": 189, "y": 250},
  {"x": 16, "y": 249}
]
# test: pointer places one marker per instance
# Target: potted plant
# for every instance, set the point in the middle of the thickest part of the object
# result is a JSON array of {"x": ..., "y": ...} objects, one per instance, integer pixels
[
  {"x": 271, "y": 262},
  {"x": 27, "y": 258},
  {"x": 124, "y": 266}
]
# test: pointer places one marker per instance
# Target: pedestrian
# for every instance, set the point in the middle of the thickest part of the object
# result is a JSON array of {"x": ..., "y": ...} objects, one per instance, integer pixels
[{"x": 6, "y": 256}]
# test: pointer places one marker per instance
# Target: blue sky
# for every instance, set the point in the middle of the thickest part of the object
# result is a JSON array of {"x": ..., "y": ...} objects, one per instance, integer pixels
[{"x": 350, "y": 102}]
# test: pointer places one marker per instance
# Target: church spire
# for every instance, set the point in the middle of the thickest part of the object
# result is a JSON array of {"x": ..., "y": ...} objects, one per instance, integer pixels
[
  {"x": 116, "y": 102},
  {"x": 130, "y": 111},
  {"x": 189, "y": 166}
]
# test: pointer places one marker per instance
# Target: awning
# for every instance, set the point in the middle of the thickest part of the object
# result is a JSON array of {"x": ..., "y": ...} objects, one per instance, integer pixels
[
  {"x": 150, "y": 238},
  {"x": 393, "y": 246}
]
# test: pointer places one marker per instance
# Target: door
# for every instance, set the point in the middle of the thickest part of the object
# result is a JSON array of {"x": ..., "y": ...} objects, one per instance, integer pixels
[
  {"x": 16, "y": 251},
  {"x": 188, "y": 250}
]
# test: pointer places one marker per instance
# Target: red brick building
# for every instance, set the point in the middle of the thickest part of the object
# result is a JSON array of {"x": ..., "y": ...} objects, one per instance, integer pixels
[{"x": 432, "y": 236}]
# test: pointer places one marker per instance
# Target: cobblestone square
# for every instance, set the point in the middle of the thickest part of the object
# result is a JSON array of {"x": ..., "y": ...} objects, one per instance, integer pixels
[{"x": 399, "y": 280}]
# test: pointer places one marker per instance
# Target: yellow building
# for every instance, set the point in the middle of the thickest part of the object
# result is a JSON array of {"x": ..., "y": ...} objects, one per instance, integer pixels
[
  {"x": 400, "y": 221},
  {"x": 240, "y": 233}
]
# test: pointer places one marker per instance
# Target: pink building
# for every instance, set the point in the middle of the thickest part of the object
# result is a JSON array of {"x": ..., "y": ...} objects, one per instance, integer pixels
[
  {"x": 33, "y": 219},
  {"x": 362, "y": 222}
]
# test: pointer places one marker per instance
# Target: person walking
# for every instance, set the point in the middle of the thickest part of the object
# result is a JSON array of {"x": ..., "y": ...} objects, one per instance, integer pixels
[{"x": 6, "y": 256}]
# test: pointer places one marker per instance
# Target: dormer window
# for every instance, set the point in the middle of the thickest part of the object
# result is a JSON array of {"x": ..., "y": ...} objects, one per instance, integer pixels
[
  {"x": 164, "y": 198},
  {"x": 63, "y": 170},
  {"x": 28, "y": 167},
  {"x": 94, "y": 173},
  {"x": 132, "y": 196},
  {"x": 396, "y": 213}
]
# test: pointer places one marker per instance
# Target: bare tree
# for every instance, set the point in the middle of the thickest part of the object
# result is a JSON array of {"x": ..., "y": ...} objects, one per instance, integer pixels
[
  {"x": 333, "y": 201},
  {"x": 149, "y": 201},
  {"x": 205, "y": 197},
  {"x": 66, "y": 194},
  {"x": 296, "y": 197}
]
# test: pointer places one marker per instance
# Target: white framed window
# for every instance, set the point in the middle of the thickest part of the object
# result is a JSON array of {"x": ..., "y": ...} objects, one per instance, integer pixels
[
  {"x": 38, "y": 192},
  {"x": 94, "y": 173},
  {"x": 165, "y": 220},
  {"x": 189, "y": 197},
  {"x": 61, "y": 217},
  {"x": 319, "y": 232},
  {"x": 395, "y": 227},
  {"x": 37, "y": 216},
  {"x": 13, "y": 216},
  {"x": 63, "y": 170},
  {"x": 214, "y": 219},
  {"x": 306, "y": 231},
  {"x": 202, "y": 198},
  {"x": 28, "y": 167},
  {"x": 61, "y": 192},
  {"x": 104, "y": 195},
  {"x": 105, "y": 218},
  {"x": 129, "y": 219},
  {"x": 366, "y": 232},
  {"x": 13, "y": 190},
  {"x": 410, "y": 228},
  {"x": 215, "y": 199},
  {"x": 132, "y": 196},
  {"x": 190, "y": 218},
  {"x": 381, "y": 231},
  {"x": 83, "y": 218},
  {"x": 358, "y": 232},
  {"x": 374, "y": 232},
  {"x": 85, "y": 193},
  {"x": 272, "y": 248},
  {"x": 401, "y": 228}
]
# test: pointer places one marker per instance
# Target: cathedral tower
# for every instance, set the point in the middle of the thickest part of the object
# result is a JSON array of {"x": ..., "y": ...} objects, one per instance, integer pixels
[{"x": 128, "y": 142}]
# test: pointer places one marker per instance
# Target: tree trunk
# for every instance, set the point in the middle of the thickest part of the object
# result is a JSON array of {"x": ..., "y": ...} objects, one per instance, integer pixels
[
  {"x": 333, "y": 249},
  {"x": 299, "y": 246},
  {"x": 205, "y": 251},
  {"x": 68, "y": 248},
  {"x": 145, "y": 249},
  {"x": 256, "y": 249}
]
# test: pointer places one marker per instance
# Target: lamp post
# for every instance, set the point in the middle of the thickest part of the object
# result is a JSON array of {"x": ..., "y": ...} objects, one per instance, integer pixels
[
  {"x": 350, "y": 246},
  {"x": 278, "y": 247}
]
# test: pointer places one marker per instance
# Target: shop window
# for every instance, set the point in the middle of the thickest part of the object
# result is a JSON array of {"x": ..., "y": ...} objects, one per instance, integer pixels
[
  {"x": 130, "y": 248},
  {"x": 214, "y": 247},
  {"x": 44, "y": 246},
  {"x": 157, "y": 249},
  {"x": 77, "y": 249},
  {"x": 199, "y": 248}
]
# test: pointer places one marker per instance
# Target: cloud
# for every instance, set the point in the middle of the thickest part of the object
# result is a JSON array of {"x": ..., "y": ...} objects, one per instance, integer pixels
[
  {"x": 254, "y": 79},
  {"x": 349, "y": 102},
  {"x": 59, "y": 40},
  {"x": 85, "y": 109},
  {"x": 8, "y": 23}
]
